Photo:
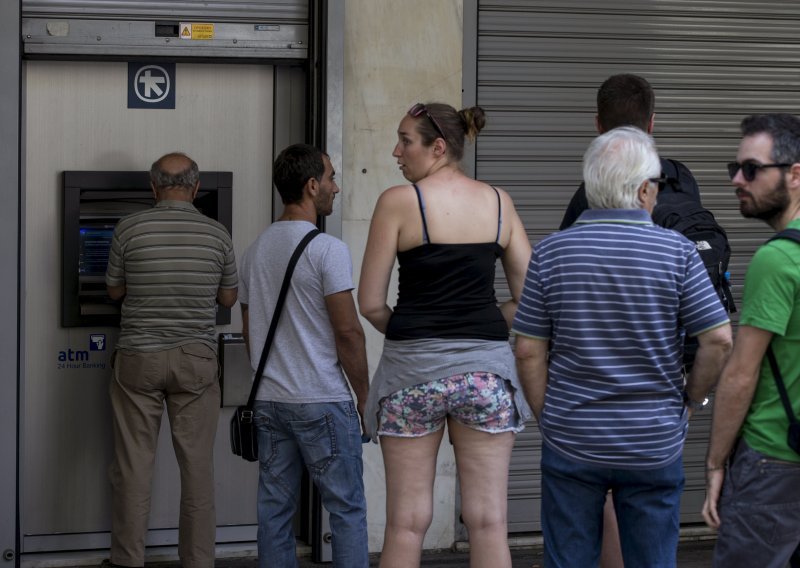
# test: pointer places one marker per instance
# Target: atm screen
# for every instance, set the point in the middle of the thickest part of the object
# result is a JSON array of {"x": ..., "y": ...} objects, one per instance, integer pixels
[{"x": 95, "y": 245}]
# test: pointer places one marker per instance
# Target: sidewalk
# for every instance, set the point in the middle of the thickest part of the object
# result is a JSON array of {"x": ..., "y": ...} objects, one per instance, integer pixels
[{"x": 692, "y": 553}]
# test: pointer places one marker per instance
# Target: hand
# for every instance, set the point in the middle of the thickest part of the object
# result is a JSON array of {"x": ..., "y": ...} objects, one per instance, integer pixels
[
  {"x": 714, "y": 479},
  {"x": 361, "y": 407}
]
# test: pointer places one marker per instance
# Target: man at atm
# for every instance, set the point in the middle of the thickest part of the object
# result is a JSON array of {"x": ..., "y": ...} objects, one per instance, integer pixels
[{"x": 172, "y": 265}]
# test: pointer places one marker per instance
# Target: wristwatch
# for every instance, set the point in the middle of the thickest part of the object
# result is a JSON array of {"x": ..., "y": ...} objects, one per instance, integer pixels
[{"x": 695, "y": 405}]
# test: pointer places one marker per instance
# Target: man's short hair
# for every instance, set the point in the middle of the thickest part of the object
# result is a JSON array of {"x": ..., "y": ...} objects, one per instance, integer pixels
[
  {"x": 783, "y": 128},
  {"x": 186, "y": 179},
  {"x": 615, "y": 165},
  {"x": 293, "y": 168},
  {"x": 625, "y": 100}
]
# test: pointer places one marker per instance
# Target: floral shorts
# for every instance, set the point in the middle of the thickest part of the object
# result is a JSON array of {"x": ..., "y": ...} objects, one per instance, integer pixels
[{"x": 482, "y": 401}]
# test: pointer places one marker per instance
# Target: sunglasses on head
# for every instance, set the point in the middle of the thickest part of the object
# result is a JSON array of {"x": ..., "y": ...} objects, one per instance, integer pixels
[
  {"x": 750, "y": 169},
  {"x": 420, "y": 109}
]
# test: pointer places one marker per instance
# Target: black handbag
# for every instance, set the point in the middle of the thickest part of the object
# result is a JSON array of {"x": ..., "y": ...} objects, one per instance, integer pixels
[{"x": 244, "y": 439}]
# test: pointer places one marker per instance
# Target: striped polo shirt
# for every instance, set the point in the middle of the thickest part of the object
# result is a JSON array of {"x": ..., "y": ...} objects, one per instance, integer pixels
[
  {"x": 172, "y": 260},
  {"x": 613, "y": 294}
]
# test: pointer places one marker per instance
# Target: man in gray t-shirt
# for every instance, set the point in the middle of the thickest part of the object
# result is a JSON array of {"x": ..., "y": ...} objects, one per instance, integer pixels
[{"x": 304, "y": 410}]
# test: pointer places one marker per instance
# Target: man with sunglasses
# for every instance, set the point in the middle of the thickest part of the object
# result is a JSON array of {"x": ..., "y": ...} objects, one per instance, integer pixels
[{"x": 753, "y": 474}]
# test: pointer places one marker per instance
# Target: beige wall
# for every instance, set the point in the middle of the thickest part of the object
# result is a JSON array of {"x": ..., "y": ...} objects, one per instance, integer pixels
[{"x": 396, "y": 54}]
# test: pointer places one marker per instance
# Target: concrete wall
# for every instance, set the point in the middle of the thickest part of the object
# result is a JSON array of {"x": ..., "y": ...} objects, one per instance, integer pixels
[{"x": 396, "y": 54}]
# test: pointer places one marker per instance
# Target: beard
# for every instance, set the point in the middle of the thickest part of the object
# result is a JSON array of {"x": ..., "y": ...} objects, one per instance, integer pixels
[
  {"x": 324, "y": 204},
  {"x": 770, "y": 206}
]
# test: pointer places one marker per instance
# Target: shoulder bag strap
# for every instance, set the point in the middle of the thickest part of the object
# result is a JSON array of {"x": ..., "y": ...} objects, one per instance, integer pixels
[
  {"x": 276, "y": 316},
  {"x": 787, "y": 406},
  {"x": 789, "y": 234},
  {"x": 792, "y": 235}
]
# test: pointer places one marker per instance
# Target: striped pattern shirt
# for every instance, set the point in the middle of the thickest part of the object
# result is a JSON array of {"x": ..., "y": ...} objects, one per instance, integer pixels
[
  {"x": 614, "y": 294},
  {"x": 172, "y": 260}
]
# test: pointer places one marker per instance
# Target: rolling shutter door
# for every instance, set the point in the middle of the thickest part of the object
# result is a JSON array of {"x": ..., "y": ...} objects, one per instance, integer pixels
[
  {"x": 286, "y": 11},
  {"x": 539, "y": 64},
  {"x": 253, "y": 29}
]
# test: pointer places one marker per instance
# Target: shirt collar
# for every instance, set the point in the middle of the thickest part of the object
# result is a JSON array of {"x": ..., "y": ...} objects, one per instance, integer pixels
[
  {"x": 176, "y": 204},
  {"x": 628, "y": 216}
]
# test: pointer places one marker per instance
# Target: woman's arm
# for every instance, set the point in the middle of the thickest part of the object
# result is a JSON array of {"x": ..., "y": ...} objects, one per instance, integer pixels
[
  {"x": 515, "y": 259},
  {"x": 379, "y": 257}
]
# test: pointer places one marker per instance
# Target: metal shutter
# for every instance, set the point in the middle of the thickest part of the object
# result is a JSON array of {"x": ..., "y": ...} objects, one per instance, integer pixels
[
  {"x": 538, "y": 66},
  {"x": 271, "y": 30},
  {"x": 278, "y": 11}
]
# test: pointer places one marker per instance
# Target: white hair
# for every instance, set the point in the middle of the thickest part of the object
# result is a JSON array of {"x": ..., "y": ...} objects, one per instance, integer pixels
[{"x": 615, "y": 165}]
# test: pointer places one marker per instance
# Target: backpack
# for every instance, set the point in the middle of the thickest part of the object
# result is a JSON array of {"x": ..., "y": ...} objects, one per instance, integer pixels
[{"x": 679, "y": 208}]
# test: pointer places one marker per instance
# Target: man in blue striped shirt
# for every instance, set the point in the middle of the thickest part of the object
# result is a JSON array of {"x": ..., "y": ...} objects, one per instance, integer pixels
[{"x": 600, "y": 331}]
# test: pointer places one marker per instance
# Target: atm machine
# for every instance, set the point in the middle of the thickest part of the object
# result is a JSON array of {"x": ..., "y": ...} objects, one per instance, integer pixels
[
  {"x": 69, "y": 508},
  {"x": 68, "y": 422},
  {"x": 93, "y": 202}
]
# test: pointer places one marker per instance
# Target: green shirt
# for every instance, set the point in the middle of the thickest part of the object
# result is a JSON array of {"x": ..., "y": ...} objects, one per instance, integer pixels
[{"x": 772, "y": 302}]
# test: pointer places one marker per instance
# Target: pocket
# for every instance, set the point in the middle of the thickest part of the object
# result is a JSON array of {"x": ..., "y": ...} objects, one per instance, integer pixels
[
  {"x": 317, "y": 441},
  {"x": 199, "y": 368},
  {"x": 138, "y": 370}
]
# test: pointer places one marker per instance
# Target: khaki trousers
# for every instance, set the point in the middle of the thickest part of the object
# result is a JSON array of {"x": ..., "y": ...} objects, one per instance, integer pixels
[{"x": 186, "y": 379}]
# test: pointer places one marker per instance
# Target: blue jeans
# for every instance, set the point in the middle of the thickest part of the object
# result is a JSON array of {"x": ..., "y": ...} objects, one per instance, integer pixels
[
  {"x": 325, "y": 438},
  {"x": 647, "y": 503},
  {"x": 759, "y": 512}
]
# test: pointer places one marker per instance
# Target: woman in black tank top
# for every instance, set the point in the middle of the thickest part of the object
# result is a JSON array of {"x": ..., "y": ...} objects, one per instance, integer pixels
[{"x": 447, "y": 231}]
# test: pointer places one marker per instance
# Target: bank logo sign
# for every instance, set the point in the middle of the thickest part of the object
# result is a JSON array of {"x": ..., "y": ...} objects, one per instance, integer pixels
[
  {"x": 151, "y": 85},
  {"x": 97, "y": 342},
  {"x": 92, "y": 358}
]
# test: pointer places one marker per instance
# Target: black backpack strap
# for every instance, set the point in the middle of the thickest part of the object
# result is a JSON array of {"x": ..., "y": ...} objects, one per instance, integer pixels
[
  {"x": 790, "y": 234},
  {"x": 273, "y": 325},
  {"x": 776, "y": 373},
  {"x": 670, "y": 171},
  {"x": 679, "y": 180}
]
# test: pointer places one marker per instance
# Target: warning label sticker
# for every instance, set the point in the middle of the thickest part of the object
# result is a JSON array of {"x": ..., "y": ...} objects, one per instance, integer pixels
[
  {"x": 196, "y": 31},
  {"x": 202, "y": 31}
]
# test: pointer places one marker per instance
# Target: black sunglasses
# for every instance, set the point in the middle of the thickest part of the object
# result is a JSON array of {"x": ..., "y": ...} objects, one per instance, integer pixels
[
  {"x": 420, "y": 109},
  {"x": 750, "y": 169},
  {"x": 660, "y": 181}
]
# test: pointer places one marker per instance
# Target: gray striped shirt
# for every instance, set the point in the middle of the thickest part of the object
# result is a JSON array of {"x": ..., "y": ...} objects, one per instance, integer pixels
[{"x": 172, "y": 260}]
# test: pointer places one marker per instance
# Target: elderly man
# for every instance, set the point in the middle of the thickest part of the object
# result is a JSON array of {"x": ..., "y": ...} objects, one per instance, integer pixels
[
  {"x": 172, "y": 265},
  {"x": 599, "y": 349},
  {"x": 758, "y": 511}
]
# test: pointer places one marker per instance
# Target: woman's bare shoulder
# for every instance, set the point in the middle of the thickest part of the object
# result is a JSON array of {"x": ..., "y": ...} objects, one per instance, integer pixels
[{"x": 397, "y": 196}]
